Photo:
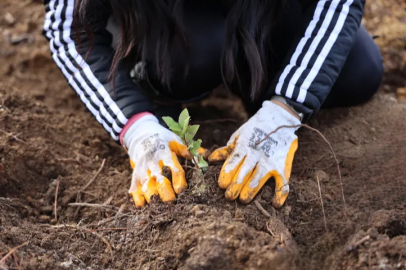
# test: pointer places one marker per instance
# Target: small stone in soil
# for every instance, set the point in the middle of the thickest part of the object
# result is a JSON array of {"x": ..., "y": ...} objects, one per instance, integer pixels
[
  {"x": 287, "y": 210},
  {"x": 9, "y": 19},
  {"x": 44, "y": 218},
  {"x": 199, "y": 214},
  {"x": 66, "y": 265}
]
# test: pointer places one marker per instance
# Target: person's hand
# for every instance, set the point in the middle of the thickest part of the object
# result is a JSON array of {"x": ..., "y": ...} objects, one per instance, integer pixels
[
  {"x": 248, "y": 166},
  {"x": 151, "y": 147}
]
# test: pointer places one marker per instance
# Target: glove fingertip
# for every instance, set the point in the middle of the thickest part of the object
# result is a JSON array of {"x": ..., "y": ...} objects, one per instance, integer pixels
[
  {"x": 225, "y": 179},
  {"x": 279, "y": 201},
  {"x": 232, "y": 193},
  {"x": 165, "y": 191},
  {"x": 204, "y": 152},
  {"x": 179, "y": 149},
  {"x": 179, "y": 182},
  {"x": 246, "y": 200},
  {"x": 223, "y": 184},
  {"x": 180, "y": 189},
  {"x": 248, "y": 194},
  {"x": 138, "y": 199},
  {"x": 219, "y": 155}
]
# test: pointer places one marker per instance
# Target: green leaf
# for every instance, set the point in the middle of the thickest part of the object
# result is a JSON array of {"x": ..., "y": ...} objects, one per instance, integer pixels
[
  {"x": 202, "y": 163},
  {"x": 168, "y": 120},
  {"x": 196, "y": 145},
  {"x": 194, "y": 152},
  {"x": 184, "y": 119},
  {"x": 175, "y": 127},
  {"x": 191, "y": 132}
]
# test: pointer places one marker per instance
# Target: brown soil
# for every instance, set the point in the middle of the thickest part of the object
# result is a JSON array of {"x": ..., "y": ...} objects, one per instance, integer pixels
[{"x": 49, "y": 140}]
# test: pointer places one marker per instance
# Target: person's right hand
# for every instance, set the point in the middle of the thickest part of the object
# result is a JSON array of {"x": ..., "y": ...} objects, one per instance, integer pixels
[
  {"x": 151, "y": 147},
  {"x": 257, "y": 151}
]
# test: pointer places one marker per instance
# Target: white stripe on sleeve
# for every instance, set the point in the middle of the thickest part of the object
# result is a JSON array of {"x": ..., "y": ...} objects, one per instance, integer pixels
[
  {"x": 302, "y": 43},
  {"x": 325, "y": 51},
  {"x": 58, "y": 49},
  {"x": 309, "y": 54}
]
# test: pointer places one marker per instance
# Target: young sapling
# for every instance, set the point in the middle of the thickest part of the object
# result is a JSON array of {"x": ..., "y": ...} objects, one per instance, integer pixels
[{"x": 186, "y": 133}]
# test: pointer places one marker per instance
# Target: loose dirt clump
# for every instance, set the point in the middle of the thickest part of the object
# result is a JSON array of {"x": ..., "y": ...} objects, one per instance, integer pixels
[
  {"x": 381, "y": 246},
  {"x": 51, "y": 148}
]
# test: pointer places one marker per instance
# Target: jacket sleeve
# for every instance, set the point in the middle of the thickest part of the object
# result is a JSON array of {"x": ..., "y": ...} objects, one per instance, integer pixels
[
  {"x": 319, "y": 53},
  {"x": 87, "y": 70}
]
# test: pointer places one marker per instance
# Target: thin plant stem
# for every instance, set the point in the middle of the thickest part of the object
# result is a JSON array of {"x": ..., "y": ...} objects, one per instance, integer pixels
[
  {"x": 56, "y": 199},
  {"x": 322, "y": 204},
  {"x": 193, "y": 157},
  {"x": 3, "y": 260}
]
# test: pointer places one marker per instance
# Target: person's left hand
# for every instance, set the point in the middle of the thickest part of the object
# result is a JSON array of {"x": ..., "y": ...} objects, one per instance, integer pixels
[{"x": 249, "y": 166}]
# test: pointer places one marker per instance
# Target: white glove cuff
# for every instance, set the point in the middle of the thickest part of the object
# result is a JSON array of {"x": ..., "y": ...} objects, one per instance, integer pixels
[
  {"x": 272, "y": 109},
  {"x": 134, "y": 129},
  {"x": 283, "y": 100}
]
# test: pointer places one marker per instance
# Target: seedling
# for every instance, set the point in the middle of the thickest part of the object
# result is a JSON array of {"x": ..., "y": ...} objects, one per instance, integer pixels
[{"x": 186, "y": 134}]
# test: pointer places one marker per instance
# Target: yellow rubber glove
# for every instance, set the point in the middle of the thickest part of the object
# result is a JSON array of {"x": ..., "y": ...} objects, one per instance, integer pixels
[
  {"x": 248, "y": 166},
  {"x": 151, "y": 147}
]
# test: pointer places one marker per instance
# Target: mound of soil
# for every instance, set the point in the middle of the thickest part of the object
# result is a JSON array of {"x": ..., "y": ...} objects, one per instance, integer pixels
[
  {"x": 51, "y": 149},
  {"x": 382, "y": 246}
]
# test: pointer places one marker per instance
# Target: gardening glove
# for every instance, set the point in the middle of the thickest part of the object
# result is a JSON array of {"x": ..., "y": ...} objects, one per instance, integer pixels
[
  {"x": 248, "y": 166},
  {"x": 151, "y": 147}
]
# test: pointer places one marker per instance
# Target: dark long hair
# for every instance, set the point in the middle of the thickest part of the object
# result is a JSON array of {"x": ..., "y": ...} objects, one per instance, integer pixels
[{"x": 248, "y": 29}]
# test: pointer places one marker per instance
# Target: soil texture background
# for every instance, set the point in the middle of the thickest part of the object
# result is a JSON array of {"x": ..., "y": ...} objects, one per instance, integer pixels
[{"x": 50, "y": 145}]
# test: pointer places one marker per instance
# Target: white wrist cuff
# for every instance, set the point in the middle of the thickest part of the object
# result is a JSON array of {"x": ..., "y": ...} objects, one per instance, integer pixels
[
  {"x": 145, "y": 120},
  {"x": 283, "y": 100}
]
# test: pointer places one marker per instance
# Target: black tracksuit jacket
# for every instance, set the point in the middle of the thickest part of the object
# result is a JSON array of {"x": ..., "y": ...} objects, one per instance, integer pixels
[{"x": 306, "y": 69}]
